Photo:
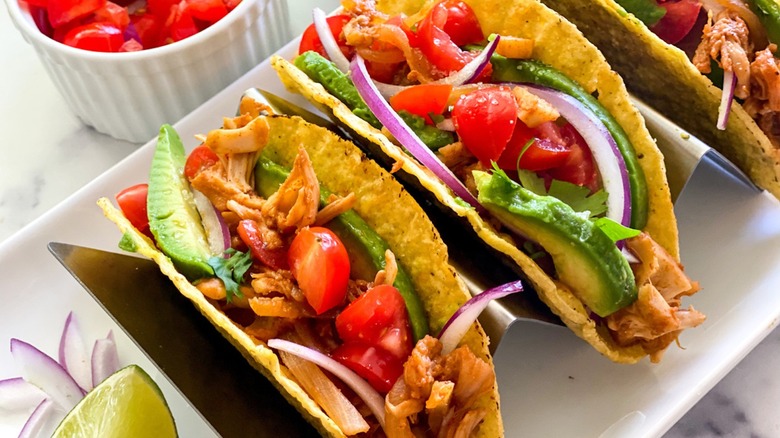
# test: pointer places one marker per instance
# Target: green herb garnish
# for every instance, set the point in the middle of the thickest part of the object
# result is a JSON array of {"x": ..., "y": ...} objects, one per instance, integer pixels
[{"x": 231, "y": 270}]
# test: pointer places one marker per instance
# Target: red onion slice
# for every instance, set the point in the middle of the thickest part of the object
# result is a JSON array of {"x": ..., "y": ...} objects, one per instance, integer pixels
[
  {"x": 45, "y": 373},
  {"x": 16, "y": 395},
  {"x": 73, "y": 354},
  {"x": 217, "y": 232},
  {"x": 105, "y": 360},
  {"x": 726, "y": 99},
  {"x": 329, "y": 43},
  {"x": 460, "y": 322},
  {"x": 390, "y": 119},
  {"x": 606, "y": 155},
  {"x": 467, "y": 74},
  {"x": 40, "y": 421},
  {"x": 373, "y": 399}
]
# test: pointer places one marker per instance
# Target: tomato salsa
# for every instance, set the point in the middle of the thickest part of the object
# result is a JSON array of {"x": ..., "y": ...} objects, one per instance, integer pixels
[{"x": 125, "y": 25}]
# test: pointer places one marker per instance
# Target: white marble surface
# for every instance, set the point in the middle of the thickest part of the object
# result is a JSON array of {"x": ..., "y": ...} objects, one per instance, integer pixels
[{"x": 47, "y": 154}]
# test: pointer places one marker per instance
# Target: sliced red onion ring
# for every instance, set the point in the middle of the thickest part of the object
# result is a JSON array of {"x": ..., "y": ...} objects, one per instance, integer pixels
[
  {"x": 45, "y": 373},
  {"x": 105, "y": 360},
  {"x": 467, "y": 74},
  {"x": 460, "y": 322},
  {"x": 39, "y": 424},
  {"x": 329, "y": 43},
  {"x": 390, "y": 119},
  {"x": 73, "y": 354},
  {"x": 726, "y": 99},
  {"x": 369, "y": 395},
  {"x": 16, "y": 395},
  {"x": 606, "y": 155},
  {"x": 217, "y": 232}
]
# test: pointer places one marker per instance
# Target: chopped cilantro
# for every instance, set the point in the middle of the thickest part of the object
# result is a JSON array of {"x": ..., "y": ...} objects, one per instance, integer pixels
[
  {"x": 231, "y": 270},
  {"x": 577, "y": 197},
  {"x": 614, "y": 230}
]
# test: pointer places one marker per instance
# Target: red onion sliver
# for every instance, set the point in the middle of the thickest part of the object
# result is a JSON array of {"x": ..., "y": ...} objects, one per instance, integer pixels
[
  {"x": 39, "y": 423},
  {"x": 390, "y": 119},
  {"x": 726, "y": 99},
  {"x": 329, "y": 43},
  {"x": 45, "y": 373},
  {"x": 460, "y": 322},
  {"x": 373, "y": 399},
  {"x": 467, "y": 74},
  {"x": 105, "y": 360},
  {"x": 606, "y": 155},
  {"x": 217, "y": 232},
  {"x": 73, "y": 354},
  {"x": 16, "y": 395}
]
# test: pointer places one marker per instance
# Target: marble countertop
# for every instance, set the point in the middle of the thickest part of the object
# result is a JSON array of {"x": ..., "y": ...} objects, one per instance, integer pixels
[{"x": 48, "y": 154}]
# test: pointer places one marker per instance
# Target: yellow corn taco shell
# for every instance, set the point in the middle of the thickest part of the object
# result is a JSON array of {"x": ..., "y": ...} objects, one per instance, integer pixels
[
  {"x": 384, "y": 204},
  {"x": 662, "y": 75},
  {"x": 558, "y": 43}
]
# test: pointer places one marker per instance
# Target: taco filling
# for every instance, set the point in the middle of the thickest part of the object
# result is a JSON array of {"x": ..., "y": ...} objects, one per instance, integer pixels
[
  {"x": 735, "y": 46},
  {"x": 515, "y": 138},
  {"x": 292, "y": 264}
]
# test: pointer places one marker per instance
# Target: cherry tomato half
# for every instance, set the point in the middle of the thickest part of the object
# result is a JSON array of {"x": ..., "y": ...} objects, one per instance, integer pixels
[
  {"x": 485, "y": 120},
  {"x": 462, "y": 24},
  {"x": 310, "y": 40},
  {"x": 378, "y": 318},
  {"x": 579, "y": 167},
  {"x": 132, "y": 202},
  {"x": 541, "y": 154},
  {"x": 423, "y": 100},
  {"x": 380, "y": 368},
  {"x": 64, "y": 11},
  {"x": 680, "y": 17},
  {"x": 319, "y": 262},
  {"x": 436, "y": 45},
  {"x": 250, "y": 234},
  {"x": 200, "y": 158}
]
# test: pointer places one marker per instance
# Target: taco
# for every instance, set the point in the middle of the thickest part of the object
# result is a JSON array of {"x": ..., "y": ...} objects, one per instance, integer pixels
[
  {"x": 711, "y": 66},
  {"x": 281, "y": 233},
  {"x": 502, "y": 156}
]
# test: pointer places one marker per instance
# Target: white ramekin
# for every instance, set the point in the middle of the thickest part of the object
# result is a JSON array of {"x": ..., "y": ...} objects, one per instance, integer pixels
[{"x": 129, "y": 95}]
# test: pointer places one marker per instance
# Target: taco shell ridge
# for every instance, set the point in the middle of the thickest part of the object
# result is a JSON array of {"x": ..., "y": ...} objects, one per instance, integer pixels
[{"x": 386, "y": 206}]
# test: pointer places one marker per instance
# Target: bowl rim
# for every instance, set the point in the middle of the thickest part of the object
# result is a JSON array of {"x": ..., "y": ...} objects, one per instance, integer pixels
[{"x": 22, "y": 19}]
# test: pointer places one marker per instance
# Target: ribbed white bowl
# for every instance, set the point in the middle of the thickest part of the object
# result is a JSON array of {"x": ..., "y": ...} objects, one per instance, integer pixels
[{"x": 129, "y": 95}]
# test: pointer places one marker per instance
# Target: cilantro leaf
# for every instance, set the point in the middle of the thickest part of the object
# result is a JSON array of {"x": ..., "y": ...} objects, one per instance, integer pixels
[
  {"x": 577, "y": 197},
  {"x": 231, "y": 270},
  {"x": 614, "y": 230}
]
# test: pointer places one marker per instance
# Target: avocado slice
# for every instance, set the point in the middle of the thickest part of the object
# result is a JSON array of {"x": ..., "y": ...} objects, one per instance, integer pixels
[
  {"x": 173, "y": 217},
  {"x": 365, "y": 247},
  {"x": 585, "y": 259}
]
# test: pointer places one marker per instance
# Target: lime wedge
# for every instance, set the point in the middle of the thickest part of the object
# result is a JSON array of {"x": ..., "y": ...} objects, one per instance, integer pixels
[{"x": 127, "y": 404}]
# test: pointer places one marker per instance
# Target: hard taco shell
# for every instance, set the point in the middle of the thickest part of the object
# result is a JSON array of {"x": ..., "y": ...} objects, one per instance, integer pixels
[{"x": 389, "y": 210}]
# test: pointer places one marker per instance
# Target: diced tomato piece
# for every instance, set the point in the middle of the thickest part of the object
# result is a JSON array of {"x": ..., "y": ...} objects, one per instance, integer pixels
[
  {"x": 319, "y": 262},
  {"x": 161, "y": 8},
  {"x": 380, "y": 368},
  {"x": 180, "y": 23},
  {"x": 114, "y": 14},
  {"x": 423, "y": 100},
  {"x": 132, "y": 202},
  {"x": 97, "y": 37},
  {"x": 131, "y": 45},
  {"x": 462, "y": 25},
  {"x": 311, "y": 41},
  {"x": 680, "y": 17},
  {"x": 200, "y": 158},
  {"x": 250, "y": 234},
  {"x": 41, "y": 19},
  {"x": 379, "y": 318},
  {"x": 64, "y": 11},
  {"x": 436, "y": 45},
  {"x": 38, "y": 3},
  {"x": 485, "y": 121},
  {"x": 149, "y": 28},
  {"x": 209, "y": 11}
]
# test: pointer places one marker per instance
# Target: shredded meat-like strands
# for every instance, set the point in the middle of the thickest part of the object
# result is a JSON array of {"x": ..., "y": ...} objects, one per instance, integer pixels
[
  {"x": 445, "y": 387},
  {"x": 726, "y": 41},
  {"x": 655, "y": 319},
  {"x": 387, "y": 275},
  {"x": 335, "y": 207},
  {"x": 296, "y": 203}
]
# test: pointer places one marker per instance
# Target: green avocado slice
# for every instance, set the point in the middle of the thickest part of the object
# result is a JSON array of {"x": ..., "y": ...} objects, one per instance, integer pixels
[
  {"x": 365, "y": 247},
  {"x": 585, "y": 259},
  {"x": 173, "y": 217}
]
